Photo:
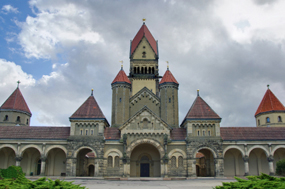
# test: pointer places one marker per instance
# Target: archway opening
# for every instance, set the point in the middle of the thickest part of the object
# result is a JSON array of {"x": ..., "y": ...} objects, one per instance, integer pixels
[
  {"x": 30, "y": 162},
  {"x": 233, "y": 163},
  {"x": 84, "y": 157},
  {"x": 278, "y": 155},
  {"x": 205, "y": 163},
  {"x": 55, "y": 163},
  {"x": 7, "y": 157},
  {"x": 91, "y": 169},
  {"x": 145, "y": 161},
  {"x": 258, "y": 162}
]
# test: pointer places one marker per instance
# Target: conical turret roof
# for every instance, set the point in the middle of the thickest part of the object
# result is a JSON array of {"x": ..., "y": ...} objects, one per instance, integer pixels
[
  {"x": 168, "y": 78},
  {"x": 16, "y": 101},
  {"x": 141, "y": 33},
  {"x": 121, "y": 77},
  {"x": 89, "y": 109},
  {"x": 269, "y": 103}
]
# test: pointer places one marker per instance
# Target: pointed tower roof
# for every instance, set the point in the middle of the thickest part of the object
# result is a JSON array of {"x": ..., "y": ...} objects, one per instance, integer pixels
[
  {"x": 143, "y": 32},
  {"x": 89, "y": 109},
  {"x": 16, "y": 101},
  {"x": 168, "y": 78},
  {"x": 269, "y": 103},
  {"x": 121, "y": 77},
  {"x": 201, "y": 110}
]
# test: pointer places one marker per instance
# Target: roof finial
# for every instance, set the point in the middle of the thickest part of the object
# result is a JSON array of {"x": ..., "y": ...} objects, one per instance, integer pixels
[
  {"x": 143, "y": 20},
  {"x": 18, "y": 83},
  {"x": 198, "y": 92},
  {"x": 122, "y": 64},
  {"x": 167, "y": 65},
  {"x": 91, "y": 92},
  {"x": 268, "y": 86}
]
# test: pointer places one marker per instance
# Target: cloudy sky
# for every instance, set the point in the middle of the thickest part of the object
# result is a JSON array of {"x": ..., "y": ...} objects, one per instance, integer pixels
[{"x": 61, "y": 49}]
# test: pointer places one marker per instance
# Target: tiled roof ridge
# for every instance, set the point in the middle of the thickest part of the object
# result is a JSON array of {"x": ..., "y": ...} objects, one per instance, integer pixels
[
  {"x": 168, "y": 78},
  {"x": 121, "y": 77},
  {"x": 16, "y": 101},
  {"x": 143, "y": 31},
  {"x": 269, "y": 103}
]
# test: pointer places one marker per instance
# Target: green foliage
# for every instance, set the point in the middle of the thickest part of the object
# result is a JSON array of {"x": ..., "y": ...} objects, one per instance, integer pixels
[
  {"x": 15, "y": 180},
  {"x": 255, "y": 182},
  {"x": 280, "y": 167}
]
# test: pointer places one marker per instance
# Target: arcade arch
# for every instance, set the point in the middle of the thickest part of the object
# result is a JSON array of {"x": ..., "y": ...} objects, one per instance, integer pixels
[
  {"x": 55, "y": 162},
  {"x": 31, "y": 162},
  {"x": 233, "y": 162},
  {"x": 205, "y": 165},
  {"x": 85, "y": 157},
  {"x": 7, "y": 157},
  {"x": 258, "y": 161}
]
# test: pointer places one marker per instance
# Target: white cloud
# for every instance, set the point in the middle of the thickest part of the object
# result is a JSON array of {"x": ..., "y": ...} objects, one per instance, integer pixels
[{"x": 9, "y": 9}]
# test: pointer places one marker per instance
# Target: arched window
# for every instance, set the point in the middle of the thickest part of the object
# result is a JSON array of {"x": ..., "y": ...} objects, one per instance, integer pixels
[
  {"x": 169, "y": 100},
  {"x": 173, "y": 161},
  {"x": 86, "y": 132},
  {"x": 198, "y": 133},
  {"x": 267, "y": 120},
  {"x": 144, "y": 54},
  {"x": 6, "y": 118},
  {"x": 145, "y": 123},
  {"x": 120, "y": 99},
  {"x": 258, "y": 122},
  {"x": 203, "y": 132},
  {"x": 152, "y": 70},
  {"x": 117, "y": 161},
  {"x": 110, "y": 161},
  {"x": 149, "y": 70},
  {"x": 209, "y": 133},
  {"x": 145, "y": 70},
  {"x": 142, "y": 70},
  {"x": 135, "y": 70},
  {"x": 279, "y": 119},
  {"x": 180, "y": 161},
  {"x": 18, "y": 119},
  {"x": 27, "y": 123}
]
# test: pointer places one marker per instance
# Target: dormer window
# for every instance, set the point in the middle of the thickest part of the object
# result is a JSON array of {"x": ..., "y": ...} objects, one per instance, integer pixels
[
  {"x": 144, "y": 54},
  {"x": 6, "y": 118},
  {"x": 18, "y": 119},
  {"x": 279, "y": 119},
  {"x": 267, "y": 120}
]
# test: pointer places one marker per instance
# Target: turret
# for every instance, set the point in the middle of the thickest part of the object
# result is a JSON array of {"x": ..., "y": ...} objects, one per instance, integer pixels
[
  {"x": 168, "y": 87},
  {"x": 15, "y": 111},
  {"x": 270, "y": 112},
  {"x": 121, "y": 87}
]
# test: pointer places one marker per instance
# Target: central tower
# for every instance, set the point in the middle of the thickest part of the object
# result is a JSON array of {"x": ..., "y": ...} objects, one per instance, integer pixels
[{"x": 144, "y": 62}]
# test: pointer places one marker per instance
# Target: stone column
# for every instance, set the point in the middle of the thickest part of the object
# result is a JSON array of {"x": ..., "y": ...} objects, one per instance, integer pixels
[
  {"x": 246, "y": 167},
  {"x": 270, "y": 160},
  {"x": 219, "y": 166},
  {"x": 43, "y": 165},
  {"x": 18, "y": 160},
  {"x": 191, "y": 166}
]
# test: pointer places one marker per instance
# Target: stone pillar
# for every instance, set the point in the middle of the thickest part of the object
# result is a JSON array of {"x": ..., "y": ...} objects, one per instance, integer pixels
[
  {"x": 246, "y": 167},
  {"x": 18, "y": 160},
  {"x": 70, "y": 171},
  {"x": 219, "y": 166},
  {"x": 127, "y": 170},
  {"x": 43, "y": 165},
  {"x": 191, "y": 166},
  {"x": 270, "y": 160}
]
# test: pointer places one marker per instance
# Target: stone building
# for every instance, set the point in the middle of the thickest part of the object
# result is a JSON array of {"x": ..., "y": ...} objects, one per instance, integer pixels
[{"x": 144, "y": 138}]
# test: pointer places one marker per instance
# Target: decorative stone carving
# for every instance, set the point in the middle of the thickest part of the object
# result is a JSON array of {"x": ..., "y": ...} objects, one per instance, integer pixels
[
  {"x": 245, "y": 158},
  {"x": 270, "y": 158}
]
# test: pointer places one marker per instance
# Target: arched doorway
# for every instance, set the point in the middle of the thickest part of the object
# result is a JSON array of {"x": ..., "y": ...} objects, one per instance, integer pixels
[
  {"x": 278, "y": 155},
  {"x": 56, "y": 162},
  {"x": 84, "y": 158},
  {"x": 30, "y": 162},
  {"x": 205, "y": 163},
  {"x": 7, "y": 157},
  {"x": 145, "y": 161},
  {"x": 91, "y": 169},
  {"x": 233, "y": 163},
  {"x": 258, "y": 162}
]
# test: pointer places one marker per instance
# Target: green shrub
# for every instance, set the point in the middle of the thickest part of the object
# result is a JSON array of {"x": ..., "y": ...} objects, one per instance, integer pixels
[
  {"x": 255, "y": 182},
  {"x": 280, "y": 167},
  {"x": 11, "y": 172}
]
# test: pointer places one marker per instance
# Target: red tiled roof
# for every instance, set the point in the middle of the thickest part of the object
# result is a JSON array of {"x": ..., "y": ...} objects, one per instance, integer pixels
[
  {"x": 200, "y": 109},
  {"x": 143, "y": 32},
  {"x": 23, "y": 132},
  {"x": 252, "y": 133},
  {"x": 16, "y": 101},
  {"x": 269, "y": 103},
  {"x": 89, "y": 109},
  {"x": 90, "y": 155},
  {"x": 112, "y": 133},
  {"x": 178, "y": 134},
  {"x": 121, "y": 77},
  {"x": 168, "y": 78},
  {"x": 199, "y": 155}
]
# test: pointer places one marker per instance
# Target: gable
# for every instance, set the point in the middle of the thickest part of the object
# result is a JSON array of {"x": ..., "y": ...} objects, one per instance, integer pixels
[
  {"x": 145, "y": 121},
  {"x": 144, "y": 46},
  {"x": 144, "y": 98}
]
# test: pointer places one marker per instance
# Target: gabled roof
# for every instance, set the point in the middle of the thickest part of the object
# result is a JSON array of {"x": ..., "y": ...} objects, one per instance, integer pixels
[
  {"x": 269, "y": 103},
  {"x": 178, "y": 134},
  {"x": 112, "y": 133},
  {"x": 252, "y": 133},
  {"x": 143, "y": 32},
  {"x": 201, "y": 110},
  {"x": 168, "y": 78},
  {"x": 89, "y": 109},
  {"x": 16, "y": 101},
  {"x": 143, "y": 90},
  {"x": 121, "y": 77},
  {"x": 49, "y": 133}
]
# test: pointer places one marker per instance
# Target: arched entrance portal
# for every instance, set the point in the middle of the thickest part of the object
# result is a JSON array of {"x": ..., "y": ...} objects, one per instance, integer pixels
[
  {"x": 85, "y": 157},
  {"x": 145, "y": 161},
  {"x": 205, "y": 166}
]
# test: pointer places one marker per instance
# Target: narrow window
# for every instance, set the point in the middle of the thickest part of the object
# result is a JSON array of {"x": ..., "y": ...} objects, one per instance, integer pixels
[
  {"x": 120, "y": 99},
  {"x": 110, "y": 161},
  {"x": 18, "y": 119},
  {"x": 258, "y": 122},
  {"x": 173, "y": 161},
  {"x": 86, "y": 132},
  {"x": 145, "y": 70},
  {"x": 143, "y": 47},
  {"x": 279, "y": 119},
  {"x": 267, "y": 120},
  {"x": 169, "y": 100},
  {"x": 209, "y": 133},
  {"x": 92, "y": 132},
  {"x": 152, "y": 70},
  {"x": 149, "y": 70},
  {"x": 81, "y": 132},
  {"x": 143, "y": 54},
  {"x": 198, "y": 133},
  {"x": 180, "y": 161},
  {"x": 6, "y": 118},
  {"x": 117, "y": 161},
  {"x": 203, "y": 133},
  {"x": 135, "y": 70},
  {"x": 27, "y": 123}
]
